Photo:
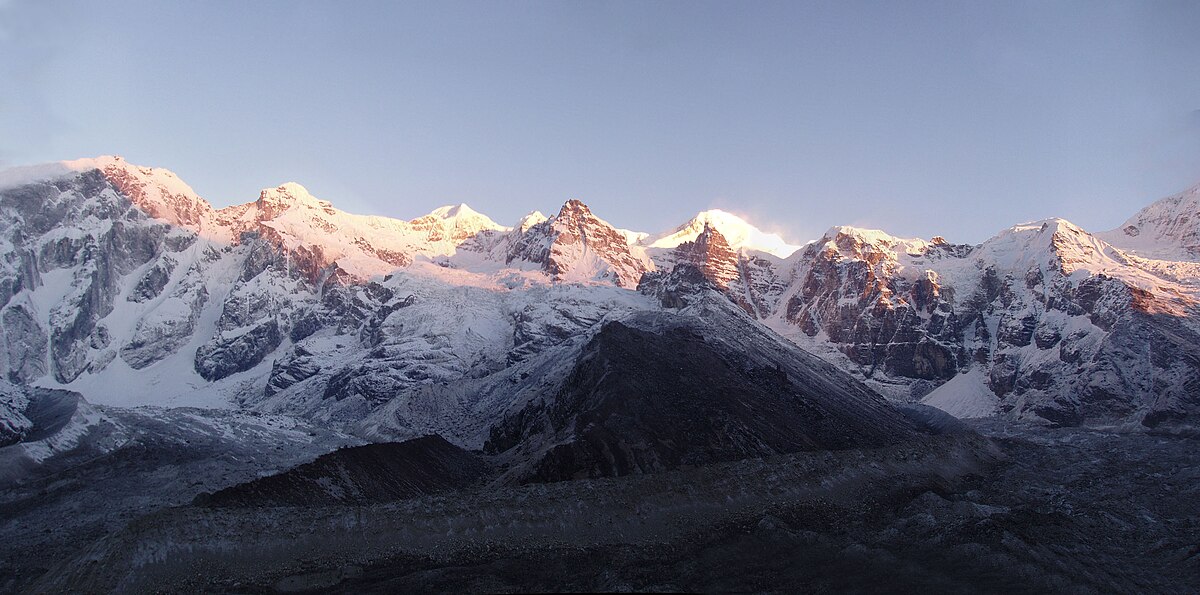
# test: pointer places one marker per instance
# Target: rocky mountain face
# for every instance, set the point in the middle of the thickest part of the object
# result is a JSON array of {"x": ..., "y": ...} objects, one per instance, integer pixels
[
  {"x": 849, "y": 288},
  {"x": 709, "y": 251},
  {"x": 577, "y": 245},
  {"x": 751, "y": 280},
  {"x": 113, "y": 272},
  {"x": 119, "y": 282},
  {"x": 1043, "y": 321},
  {"x": 69, "y": 246}
]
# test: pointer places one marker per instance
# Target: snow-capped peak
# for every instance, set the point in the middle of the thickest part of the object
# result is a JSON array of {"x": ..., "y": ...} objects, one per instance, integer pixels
[
  {"x": 149, "y": 187},
  {"x": 156, "y": 191},
  {"x": 530, "y": 220},
  {"x": 454, "y": 211},
  {"x": 633, "y": 237},
  {"x": 575, "y": 215},
  {"x": 272, "y": 201},
  {"x": 855, "y": 242},
  {"x": 740, "y": 234},
  {"x": 1051, "y": 242},
  {"x": 463, "y": 218},
  {"x": 1168, "y": 229},
  {"x": 1041, "y": 232},
  {"x": 164, "y": 179},
  {"x": 876, "y": 237},
  {"x": 25, "y": 174}
]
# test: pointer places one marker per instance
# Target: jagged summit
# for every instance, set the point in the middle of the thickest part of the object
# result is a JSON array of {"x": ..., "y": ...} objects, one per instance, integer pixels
[
  {"x": 109, "y": 164},
  {"x": 712, "y": 254},
  {"x": 577, "y": 246},
  {"x": 1053, "y": 224},
  {"x": 292, "y": 189},
  {"x": 100, "y": 162},
  {"x": 575, "y": 214},
  {"x": 870, "y": 244},
  {"x": 574, "y": 205}
]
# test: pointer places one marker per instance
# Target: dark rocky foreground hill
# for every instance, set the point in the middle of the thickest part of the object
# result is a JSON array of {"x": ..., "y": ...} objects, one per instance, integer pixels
[
  {"x": 1033, "y": 511},
  {"x": 641, "y": 401}
]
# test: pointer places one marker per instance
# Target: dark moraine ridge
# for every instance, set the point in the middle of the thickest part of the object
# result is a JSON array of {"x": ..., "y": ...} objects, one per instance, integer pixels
[{"x": 361, "y": 475}]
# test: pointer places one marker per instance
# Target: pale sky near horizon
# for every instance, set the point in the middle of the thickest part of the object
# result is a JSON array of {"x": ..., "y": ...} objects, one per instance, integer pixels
[{"x": 919, "y": 118}]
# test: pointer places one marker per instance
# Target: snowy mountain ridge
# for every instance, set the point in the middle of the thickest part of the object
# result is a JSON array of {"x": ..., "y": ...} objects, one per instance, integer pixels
[
  {"x": 1043, "y": 321},
  {"x": 364, "y": 245},
  {"x": 119, "y": 282},
  {"x": 1168, "y": 229}
]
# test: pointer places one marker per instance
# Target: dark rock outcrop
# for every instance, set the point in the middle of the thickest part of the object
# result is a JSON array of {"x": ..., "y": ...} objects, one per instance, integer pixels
[
  {"x": 26, "y": 343},
  {"x": 224, "y": 356}
]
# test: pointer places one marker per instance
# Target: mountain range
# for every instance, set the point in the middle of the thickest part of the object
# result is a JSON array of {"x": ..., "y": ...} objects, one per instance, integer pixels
[
  {"x": 187, "y": 386},
  {"x": 122, "y": 284}
]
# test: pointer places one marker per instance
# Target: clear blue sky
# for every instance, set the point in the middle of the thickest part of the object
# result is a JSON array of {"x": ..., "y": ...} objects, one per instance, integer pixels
[{"x": 920, "y": 118}]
